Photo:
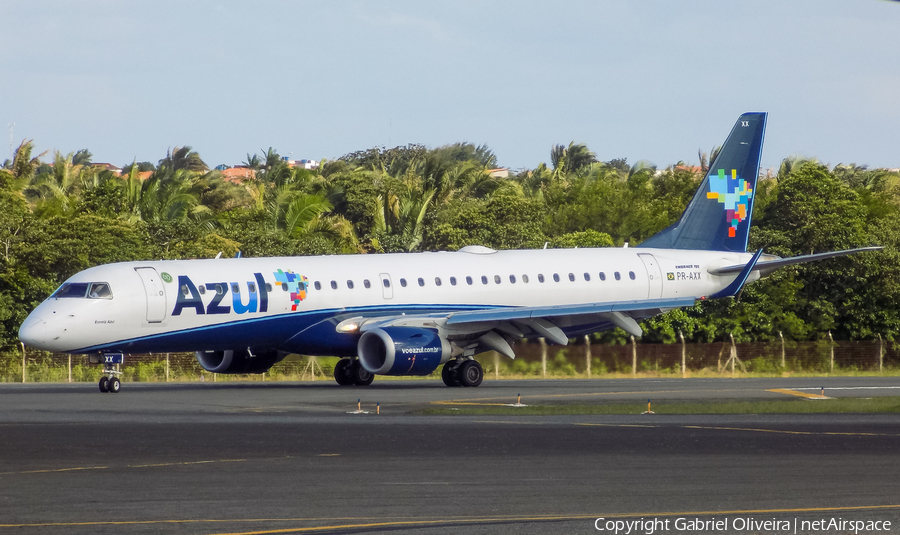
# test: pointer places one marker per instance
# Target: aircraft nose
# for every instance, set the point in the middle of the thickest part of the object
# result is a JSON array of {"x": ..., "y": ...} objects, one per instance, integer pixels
[{"x": 33, "y": 332}]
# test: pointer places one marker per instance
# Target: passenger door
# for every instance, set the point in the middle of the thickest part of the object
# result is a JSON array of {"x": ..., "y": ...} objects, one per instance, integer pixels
[
  {"x": 155, "y": 292},
  {"x": 654, "y": 275}
]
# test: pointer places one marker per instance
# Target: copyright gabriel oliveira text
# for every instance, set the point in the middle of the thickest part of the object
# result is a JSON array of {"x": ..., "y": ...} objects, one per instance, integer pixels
[{"x": 740, "y": 524}]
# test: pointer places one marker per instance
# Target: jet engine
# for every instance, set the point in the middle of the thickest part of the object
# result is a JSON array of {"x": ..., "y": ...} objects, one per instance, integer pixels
[
  {"x": 238, "y": 360},
  {"x": 402, "y": 351}
]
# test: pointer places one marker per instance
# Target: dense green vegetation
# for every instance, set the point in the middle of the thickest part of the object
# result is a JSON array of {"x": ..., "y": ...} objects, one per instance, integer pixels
[{"x": 62, "y": 217}]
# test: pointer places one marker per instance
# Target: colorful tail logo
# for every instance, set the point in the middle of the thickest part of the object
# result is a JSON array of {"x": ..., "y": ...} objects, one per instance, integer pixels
[{"x": 736, "y": 202}]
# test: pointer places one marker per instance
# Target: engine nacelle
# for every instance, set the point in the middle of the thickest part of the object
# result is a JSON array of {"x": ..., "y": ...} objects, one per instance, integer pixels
[
  {"x": 238, "y": 360},
  {"x": 402, "y": 351}
]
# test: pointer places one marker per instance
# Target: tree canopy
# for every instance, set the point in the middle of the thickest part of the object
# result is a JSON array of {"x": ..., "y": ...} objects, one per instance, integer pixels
[{"x": 60, "y": 217}]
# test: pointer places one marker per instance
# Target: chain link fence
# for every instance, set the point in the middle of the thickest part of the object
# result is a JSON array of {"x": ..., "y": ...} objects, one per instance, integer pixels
[{"x": 533, "y": 359}]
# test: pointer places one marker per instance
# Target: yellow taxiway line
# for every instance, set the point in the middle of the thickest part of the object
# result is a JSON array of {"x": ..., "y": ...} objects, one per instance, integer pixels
[{"x": 360, "y": 523}]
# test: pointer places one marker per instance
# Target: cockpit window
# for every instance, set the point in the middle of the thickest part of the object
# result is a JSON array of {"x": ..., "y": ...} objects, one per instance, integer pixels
[
  {"x": 90, "y": 290},
  {"x": 100, "y": 290},
  {"x": 72, "y": 289}
]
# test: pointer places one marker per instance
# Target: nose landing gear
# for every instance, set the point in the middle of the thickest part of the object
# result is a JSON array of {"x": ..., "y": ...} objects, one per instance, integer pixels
[{"x": 109, "y": 382}]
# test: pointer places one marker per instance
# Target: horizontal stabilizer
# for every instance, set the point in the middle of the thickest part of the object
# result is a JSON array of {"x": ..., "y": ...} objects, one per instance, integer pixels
[{"x": 771, "y": 265}]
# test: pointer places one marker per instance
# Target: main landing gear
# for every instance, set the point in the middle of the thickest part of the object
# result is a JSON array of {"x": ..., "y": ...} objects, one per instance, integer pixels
[
  {"x": 350, "y": 372},
  {"x": 462, "y": 373}
]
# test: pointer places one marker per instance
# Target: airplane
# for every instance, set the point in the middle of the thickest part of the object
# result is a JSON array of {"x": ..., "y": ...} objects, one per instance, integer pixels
[{"x": 410, "y": 313}]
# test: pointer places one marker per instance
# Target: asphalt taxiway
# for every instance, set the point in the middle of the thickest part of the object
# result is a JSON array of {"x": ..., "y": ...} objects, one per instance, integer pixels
[{"x": 293, "y": 458}]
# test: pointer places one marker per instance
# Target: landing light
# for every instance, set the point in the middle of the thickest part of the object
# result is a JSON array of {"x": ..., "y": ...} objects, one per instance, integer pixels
[{"x": 349, "y": 325}]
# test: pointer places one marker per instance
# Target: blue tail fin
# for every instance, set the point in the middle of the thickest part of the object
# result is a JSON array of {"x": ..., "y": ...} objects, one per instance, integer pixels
[{"x": 718, "y": 217}]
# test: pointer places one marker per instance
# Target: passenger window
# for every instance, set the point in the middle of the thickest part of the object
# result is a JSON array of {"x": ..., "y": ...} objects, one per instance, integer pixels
[
  {"x": 512, "y": 279},
  {"x": 483, "y": 279},
  {"x": 496, "y": 279},
  {"x": 386, "y": 282},
  {"x": 602, "y": 276},
  {"x": 525, "y": 279},
  {"x": 100, "y": 290},
  {"x": 350, "y": 284},
  {"x": 252, "y": 288},
  {"x": 631, "y": 275},
  {"x": 202, "y": 289},
  {"x": 587, "y": 277},
  {"x": 421, "y": 281},
  {"x": 366, "y": 283},
  {"x": 617, "y": 276},
  {"x": 452, "y": 281},
  {"x": 403, "y": 283},
  {"x": 334, "y": 285},
  {"x": 235, "y": 289},
  {"x": 469, "y": 280},
  {"x": 540, "y": 277},
  {"x": 220, "y": 289},
  {"x": 318, "y": 285},
  {"x": 184, "y": 290},
  {"x": 556, "y": 277},
  {"x": 437, "y": 281},
  {"x": 284, "y": 286},
  {"x": 269, "y": 287},
  {"x": 571, "y": 277}
]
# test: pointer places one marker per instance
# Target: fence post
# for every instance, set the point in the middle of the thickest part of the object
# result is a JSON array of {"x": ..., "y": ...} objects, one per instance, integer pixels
[
  {"x": 633, "y": 357},
  {"x": 782, "y": 349},
  {"x": 543, "y": 357},
  {"x": 683, "y": 356},
  {"x": 587, "y": 354},
  {"x": 496, "y": 365},
  {"x": 733, "y": 353},
  {"x": 831, "y": 349},
  {"x": 167, "y": 367},
  {"x": 70, "y": 367},
  {"x": 23, "y": 360},
  {"x": 880, "y": 354}
]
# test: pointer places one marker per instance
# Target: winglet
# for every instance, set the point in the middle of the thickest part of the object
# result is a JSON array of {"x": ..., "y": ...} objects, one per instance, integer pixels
[{"x": 732, "y": 289}]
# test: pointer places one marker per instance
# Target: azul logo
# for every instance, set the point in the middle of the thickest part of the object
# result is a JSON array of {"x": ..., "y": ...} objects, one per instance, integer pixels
[
  {"x": 190, "y": 297},
  {"x": 296, "y": 284},
  {"x": 734, "y": 193}
]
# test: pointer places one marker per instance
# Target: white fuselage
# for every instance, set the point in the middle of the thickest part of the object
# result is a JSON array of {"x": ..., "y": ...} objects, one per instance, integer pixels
[{"x": 293, "y": 303}]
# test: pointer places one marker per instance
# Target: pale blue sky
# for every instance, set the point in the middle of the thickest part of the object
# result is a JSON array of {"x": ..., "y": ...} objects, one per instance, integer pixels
[{"x": 653, "y": 79}]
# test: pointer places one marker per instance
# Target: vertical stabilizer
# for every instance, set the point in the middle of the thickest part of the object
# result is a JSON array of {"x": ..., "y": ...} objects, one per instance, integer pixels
[{"x": 718, "y": 217}]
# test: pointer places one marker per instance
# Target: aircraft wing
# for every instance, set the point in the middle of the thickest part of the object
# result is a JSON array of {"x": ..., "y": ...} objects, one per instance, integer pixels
[
  {"x": 556, "y": 311},
  {"x": 494, "y": 328}
]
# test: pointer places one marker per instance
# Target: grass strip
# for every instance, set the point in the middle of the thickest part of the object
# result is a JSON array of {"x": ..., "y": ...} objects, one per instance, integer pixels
[{"x": 888, "y": 404}]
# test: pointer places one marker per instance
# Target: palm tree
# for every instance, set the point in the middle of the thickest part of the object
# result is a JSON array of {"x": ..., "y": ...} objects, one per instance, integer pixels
[
  {"x": 183, "y": 158},
  {"x": 56, "y": 192},
  {"x": 571, "y": 160}
]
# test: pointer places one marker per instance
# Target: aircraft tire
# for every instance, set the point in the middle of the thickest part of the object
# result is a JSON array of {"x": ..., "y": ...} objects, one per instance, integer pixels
[
  {"x": 114, "y": 385},
  {"x": 360, "y": 375},
  {"x": 104, "y": 384},
  {"x": 470, "y": 373},
  {"x": 342, "y": 372},
  {"x": 449, "y": 375}
]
